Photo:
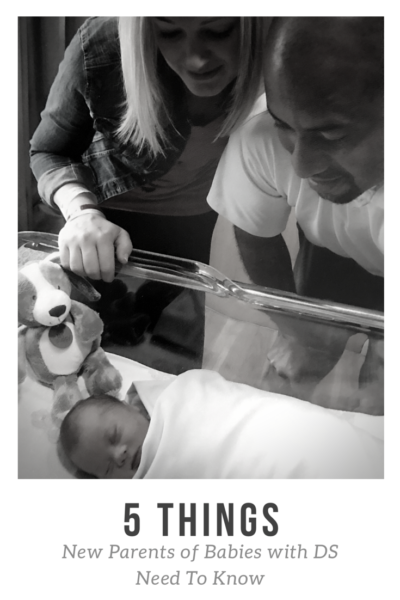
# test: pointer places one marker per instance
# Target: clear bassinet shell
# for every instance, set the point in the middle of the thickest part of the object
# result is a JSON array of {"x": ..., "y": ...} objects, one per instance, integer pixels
[{"x": 173, "y": 315}]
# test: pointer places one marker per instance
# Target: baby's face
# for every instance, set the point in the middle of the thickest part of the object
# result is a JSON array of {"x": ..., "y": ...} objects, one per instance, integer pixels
[{"x": 111, "y": 439}]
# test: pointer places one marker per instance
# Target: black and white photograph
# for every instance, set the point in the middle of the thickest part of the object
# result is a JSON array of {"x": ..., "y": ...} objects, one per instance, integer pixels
[
  {"x": 201, "y": 306},
  {"x": 200, "y": 287}
]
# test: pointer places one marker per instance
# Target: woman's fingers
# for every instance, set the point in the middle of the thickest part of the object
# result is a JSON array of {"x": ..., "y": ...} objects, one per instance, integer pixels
[
  {"x": 76, "y": 261},
  {"x": 88, "y": 244},
  {"x": 91, "y": 263},
  {"x": 105, "y": 259},
  {"x": 123, "y": 246},
  {"x": 64, "y": 252}
]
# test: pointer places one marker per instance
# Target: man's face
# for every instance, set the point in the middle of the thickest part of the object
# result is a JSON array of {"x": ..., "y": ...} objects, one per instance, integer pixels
[
  {"x": 338, "y": 150},
  {"x": 110, "y": 442}
]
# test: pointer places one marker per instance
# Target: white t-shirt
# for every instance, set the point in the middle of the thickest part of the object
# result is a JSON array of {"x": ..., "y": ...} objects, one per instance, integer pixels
[{"x": 255, "y": 187}]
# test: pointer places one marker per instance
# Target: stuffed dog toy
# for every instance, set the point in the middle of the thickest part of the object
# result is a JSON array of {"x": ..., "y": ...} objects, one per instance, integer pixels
[{"x": 59, "y": 339}]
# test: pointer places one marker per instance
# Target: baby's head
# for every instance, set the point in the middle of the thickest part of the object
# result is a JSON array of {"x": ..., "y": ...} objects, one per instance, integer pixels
[{"x": 103, "y": 437}]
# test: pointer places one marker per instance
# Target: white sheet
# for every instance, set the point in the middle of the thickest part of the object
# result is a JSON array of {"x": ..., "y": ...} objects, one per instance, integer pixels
[{"x": 203, "y": 426}]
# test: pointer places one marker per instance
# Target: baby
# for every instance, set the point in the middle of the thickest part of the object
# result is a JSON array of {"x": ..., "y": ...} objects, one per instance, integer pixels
[
  {"x": 103, "y": 436},
  {"x": 206, "y": 427}
]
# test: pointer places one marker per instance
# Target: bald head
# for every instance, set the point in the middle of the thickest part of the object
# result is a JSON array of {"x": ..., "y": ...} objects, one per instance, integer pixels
[
  {"x": 334, "y": 60},
  {"x": 324, "y": 84}
]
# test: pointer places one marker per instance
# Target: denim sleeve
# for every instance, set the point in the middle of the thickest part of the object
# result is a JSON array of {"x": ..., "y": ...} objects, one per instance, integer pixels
[{"x": 65, "y": 130}]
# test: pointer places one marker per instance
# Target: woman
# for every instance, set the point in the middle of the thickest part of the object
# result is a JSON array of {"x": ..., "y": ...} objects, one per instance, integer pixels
[{"x": 136, "y": 121}]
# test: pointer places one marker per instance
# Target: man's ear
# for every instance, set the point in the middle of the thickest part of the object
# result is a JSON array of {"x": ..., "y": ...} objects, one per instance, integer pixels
[{"x": 80, "y": 283}]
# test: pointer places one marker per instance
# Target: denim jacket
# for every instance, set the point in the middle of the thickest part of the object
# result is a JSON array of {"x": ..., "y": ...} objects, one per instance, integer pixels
[{"x": 76, "y": 141}]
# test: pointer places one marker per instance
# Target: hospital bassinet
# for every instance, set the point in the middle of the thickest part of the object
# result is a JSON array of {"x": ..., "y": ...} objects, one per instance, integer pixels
[{"x": 169, "y": 315}]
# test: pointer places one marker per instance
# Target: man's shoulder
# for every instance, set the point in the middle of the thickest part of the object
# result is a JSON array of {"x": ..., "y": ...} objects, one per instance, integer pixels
[
  {"x": 256, "y": 125},
  {"x": 100, "y": 41},
  {"x": 256, "y": 144},
  {"x": 258, "y": 135}
]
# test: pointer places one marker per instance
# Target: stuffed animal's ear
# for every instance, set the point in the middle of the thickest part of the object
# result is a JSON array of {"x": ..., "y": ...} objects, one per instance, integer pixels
[
  {"x": 79, "y": 282},
  {"x": 83, "y": 286}
]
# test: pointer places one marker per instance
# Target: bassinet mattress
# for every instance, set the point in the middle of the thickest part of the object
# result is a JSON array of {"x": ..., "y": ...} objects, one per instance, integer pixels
[{"x": 203, "y": 426}]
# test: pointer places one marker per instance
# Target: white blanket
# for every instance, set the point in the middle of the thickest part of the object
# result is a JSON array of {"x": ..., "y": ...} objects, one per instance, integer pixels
[{"x": 203, "y": 426}]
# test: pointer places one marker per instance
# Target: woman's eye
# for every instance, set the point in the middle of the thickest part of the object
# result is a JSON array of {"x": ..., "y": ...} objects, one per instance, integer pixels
[
  {"x": 169, "y": 35},
  {"x": 221, "y": 34}
]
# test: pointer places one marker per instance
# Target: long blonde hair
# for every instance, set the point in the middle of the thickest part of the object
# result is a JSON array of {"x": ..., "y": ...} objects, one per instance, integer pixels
[{"x": 146, "y": 115}]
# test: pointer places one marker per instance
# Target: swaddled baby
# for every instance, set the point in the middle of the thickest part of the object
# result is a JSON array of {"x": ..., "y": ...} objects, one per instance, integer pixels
[
  {"x": 206, "y": 427},
  {"x": 103, "y": 436}
]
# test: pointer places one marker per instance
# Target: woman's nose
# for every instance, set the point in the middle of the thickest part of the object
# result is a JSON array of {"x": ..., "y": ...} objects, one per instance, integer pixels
[{"x": 196, "y": 55}]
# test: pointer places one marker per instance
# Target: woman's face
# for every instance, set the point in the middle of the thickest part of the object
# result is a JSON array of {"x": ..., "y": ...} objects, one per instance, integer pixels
[{"x": 203, "y": 51}]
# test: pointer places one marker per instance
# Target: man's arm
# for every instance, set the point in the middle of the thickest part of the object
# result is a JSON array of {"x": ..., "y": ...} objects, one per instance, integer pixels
[
  {"x": 266, "y": 260},
  {"x": 305, "y": 351}
]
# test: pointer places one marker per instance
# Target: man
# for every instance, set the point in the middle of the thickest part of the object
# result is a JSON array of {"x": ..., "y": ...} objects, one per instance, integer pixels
[{"x": 318, "y": 150}]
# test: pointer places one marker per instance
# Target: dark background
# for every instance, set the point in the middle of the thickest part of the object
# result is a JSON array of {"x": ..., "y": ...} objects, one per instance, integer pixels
[{"x": 41, "y": 45}]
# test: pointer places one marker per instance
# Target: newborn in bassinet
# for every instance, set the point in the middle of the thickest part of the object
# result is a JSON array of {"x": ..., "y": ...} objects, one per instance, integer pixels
[
  {"x": 103, "y": 436},
  {"x": 203, "y": 426}
]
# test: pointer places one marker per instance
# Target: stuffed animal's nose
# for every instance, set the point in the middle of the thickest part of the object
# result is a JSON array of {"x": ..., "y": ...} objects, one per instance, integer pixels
[
  {"x": 51, "y": 307},
  {"x": 57, "y": 311}
]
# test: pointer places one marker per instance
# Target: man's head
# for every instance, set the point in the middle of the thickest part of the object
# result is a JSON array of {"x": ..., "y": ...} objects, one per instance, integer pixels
[
  {"x": 103, "y": 437},
  {"x": 324, "y": 84}
]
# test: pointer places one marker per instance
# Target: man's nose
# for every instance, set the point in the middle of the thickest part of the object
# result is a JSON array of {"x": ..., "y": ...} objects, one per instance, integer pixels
[{"x": 308, "y": 159}]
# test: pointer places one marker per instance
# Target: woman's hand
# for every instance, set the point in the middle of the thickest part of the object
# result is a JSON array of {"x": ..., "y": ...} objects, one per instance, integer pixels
[{"x": 88, "y": 246}]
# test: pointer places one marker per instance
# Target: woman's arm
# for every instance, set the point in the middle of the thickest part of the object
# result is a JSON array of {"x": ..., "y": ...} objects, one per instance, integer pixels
[
  {"x": 65, "y": 130},
  {"x": 88, "y": 241}
]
